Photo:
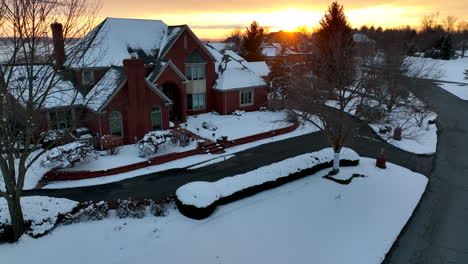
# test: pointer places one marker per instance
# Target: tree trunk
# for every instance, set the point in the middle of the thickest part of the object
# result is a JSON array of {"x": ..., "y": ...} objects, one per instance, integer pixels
[
  {"x": 336, "y": 162},
  {"x": 16, "y": 216}
]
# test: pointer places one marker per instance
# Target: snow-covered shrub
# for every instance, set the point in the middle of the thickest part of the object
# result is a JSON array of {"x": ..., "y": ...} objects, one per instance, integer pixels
[
  {"x": 154, "y": 140},
  {"x": 68, "y": 155},
  {"x": 238, "y": 112},
  {"x": 158, "y": 209},
  {"x": 90, "y": 211},
  {"x": 131, "y": 208},
  {"x": 151, "y": 142},
  {"x": 209, "y": 125},
  {"x": 41, "y": 214},
  {"x": 112, "y": 144}
]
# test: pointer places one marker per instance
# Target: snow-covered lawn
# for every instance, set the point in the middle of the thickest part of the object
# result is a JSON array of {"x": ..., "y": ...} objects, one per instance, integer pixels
[
  {"x": 444, "y": 70},
  {"x": 312, "y": 220},
  {"x": 128, "y": 155},
  {"x": 236, "y": 126},
  {"x": 459, "y": 90},
  {"x": 183, "y": 163},
  {"x": 42, "y": 211},
  {"x": 416, "y": 139}
]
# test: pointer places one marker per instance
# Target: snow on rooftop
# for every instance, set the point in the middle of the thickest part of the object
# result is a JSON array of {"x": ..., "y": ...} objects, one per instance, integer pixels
[
  {"x": 259, "y": 67},
  {"x": 362, "y": 38},
  {"x": 104, "y": 89},
  {"x": 233, "y": 72},
  {"x": 114, "y": 37},
  {"x": 47, "y": 84}
]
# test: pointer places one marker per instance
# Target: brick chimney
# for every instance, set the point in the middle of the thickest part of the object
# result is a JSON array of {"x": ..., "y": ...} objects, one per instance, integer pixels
[
  {"x": 59, "y": 46},
  {"x": 135, "y": 71}
]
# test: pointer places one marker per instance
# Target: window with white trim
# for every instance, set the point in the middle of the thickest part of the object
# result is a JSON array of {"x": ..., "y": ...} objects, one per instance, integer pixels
[
  {"x": 246, "y": 97},
  {"x": 115, "y": 124},
  {"x": 60, "y": 119},
  {"x": 87, "y": 77},
  {"x": 196, "y": 101},
  {"x": 156, "y": 118},
  {"x": 195, "y": 71}
]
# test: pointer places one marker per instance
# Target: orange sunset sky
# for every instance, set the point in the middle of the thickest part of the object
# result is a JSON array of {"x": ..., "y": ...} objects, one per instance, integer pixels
[{"x": 214, "y": 19}]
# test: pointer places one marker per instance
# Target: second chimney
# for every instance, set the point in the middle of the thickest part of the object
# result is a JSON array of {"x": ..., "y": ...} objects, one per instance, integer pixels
[{"x": 59, "y": 46}]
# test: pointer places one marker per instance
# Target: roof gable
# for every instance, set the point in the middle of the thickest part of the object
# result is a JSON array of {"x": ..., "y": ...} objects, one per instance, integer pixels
[{"x": 116, "y": 38}]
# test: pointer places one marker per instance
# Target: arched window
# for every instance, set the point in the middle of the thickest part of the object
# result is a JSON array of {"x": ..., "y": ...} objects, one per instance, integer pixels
[
  {"x": 156, "y": 118},
  {"x": 115, "y": 120}
]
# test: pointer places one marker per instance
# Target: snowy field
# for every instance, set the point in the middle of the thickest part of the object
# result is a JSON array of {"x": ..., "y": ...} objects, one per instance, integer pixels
[
  {"x": 312, "y": 220},
  {"x": 459, "y": 90},
  {"x": 202, "y": 160},
  {"x": 236, "y": 126}
]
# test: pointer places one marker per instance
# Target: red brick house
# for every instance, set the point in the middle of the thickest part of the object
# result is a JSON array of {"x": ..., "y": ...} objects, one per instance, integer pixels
[{"x": 142, "y": 75}]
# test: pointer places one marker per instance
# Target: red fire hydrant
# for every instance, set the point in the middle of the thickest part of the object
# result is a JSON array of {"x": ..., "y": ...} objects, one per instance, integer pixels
[{"x": 381, "y": 161}]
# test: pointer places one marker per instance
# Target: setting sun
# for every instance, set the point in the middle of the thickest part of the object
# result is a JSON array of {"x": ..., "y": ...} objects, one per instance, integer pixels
[{"x": 290, "y": 19}]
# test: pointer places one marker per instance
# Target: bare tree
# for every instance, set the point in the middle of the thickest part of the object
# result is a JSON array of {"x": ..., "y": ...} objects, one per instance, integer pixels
[
  {"x": 450, "y": 24},
  {"x": 31, "y": 78},
  {"x": 336, "y": 86}
]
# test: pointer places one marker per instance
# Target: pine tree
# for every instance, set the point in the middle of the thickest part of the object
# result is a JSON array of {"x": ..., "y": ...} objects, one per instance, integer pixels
[
  {"x": 446, "y": 48},
  {"x": 333, "y": 25},
  {"x": 279, "y": 80},
  {"x": 252, "y": 42}
]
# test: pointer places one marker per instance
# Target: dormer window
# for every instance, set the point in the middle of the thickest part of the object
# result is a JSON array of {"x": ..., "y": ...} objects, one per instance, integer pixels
[{"x": 87, "y": 77}]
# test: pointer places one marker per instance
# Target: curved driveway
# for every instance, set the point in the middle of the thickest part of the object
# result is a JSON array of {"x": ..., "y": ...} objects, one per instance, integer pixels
[{"x": 438, "y": 230}]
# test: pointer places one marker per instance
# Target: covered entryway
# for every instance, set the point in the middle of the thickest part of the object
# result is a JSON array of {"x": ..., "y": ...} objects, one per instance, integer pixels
[{"x": 176, "y": 111}]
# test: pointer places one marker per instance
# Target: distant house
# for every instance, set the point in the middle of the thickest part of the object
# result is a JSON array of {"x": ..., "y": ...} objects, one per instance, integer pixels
[
  {"x": 271, "y": 50},
  {"x": 144, "y": 75}
]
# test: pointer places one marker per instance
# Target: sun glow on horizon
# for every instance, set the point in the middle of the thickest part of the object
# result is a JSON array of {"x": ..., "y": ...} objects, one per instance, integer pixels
[{"x": 219, "y": 25}]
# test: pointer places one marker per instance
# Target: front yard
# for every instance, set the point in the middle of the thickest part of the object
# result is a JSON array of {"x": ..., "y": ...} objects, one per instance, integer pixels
[
  {"x": 311, "y": 220},
  {"x": 238, "y": 125}
]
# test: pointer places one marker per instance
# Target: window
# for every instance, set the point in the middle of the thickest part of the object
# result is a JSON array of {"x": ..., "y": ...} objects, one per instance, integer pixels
[
  {"x": 196, "y": 101},
  {"x": 115, "y": 120},
  {"x": 156, "y": 118},
  {"x": 195, "y": 71},
  {"x": 246, "y": 97},
  {"x": 87, "y": 77},
  {"x": 61, "y": 119}
]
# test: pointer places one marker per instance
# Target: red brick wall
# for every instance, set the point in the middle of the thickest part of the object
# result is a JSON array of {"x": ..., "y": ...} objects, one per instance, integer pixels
[
  {"x": 177, "y": 55},
  {"x": 170, "y": 76},
  {"x": 229, "y": 101}
]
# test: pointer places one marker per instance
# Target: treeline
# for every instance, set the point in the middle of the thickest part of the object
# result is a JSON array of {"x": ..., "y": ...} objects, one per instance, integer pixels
[{"x": 436, "y": 38}]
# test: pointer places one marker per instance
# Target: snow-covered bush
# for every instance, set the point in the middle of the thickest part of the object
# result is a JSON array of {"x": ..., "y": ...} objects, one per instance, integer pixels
[
  {"x": 131, "y": 208},
  {"x": 158, "y": 209},
  {"x": 41, "y": 214},
  {"x": 238, "y": 112},
  {"x": 112, "y": 144},
  {"x": 68, "y": 155},
  {"x": 209, "y": 125},
  {"x": 154, "y": 140},
  {"x": 89, "y": 211}
]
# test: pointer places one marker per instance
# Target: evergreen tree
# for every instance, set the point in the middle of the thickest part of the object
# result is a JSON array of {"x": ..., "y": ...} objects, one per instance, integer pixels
[
  {"x": 446, "y": 48},
  {"x": 252, "y": 42},
  {"x": 279, "y": 80}
]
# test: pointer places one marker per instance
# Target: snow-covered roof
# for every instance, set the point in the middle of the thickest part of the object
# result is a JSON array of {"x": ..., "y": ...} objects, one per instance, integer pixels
[
  {"x": 48, "y": 85},
  {"x": 259, "y": 67},
  {"x": 274, "y": 49},
  {"x": 362, "y": 38},
  {"x": 102, "y": 91},
  {"x": 115, "y": 38},
  {"x": 233, "y": 72}
]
